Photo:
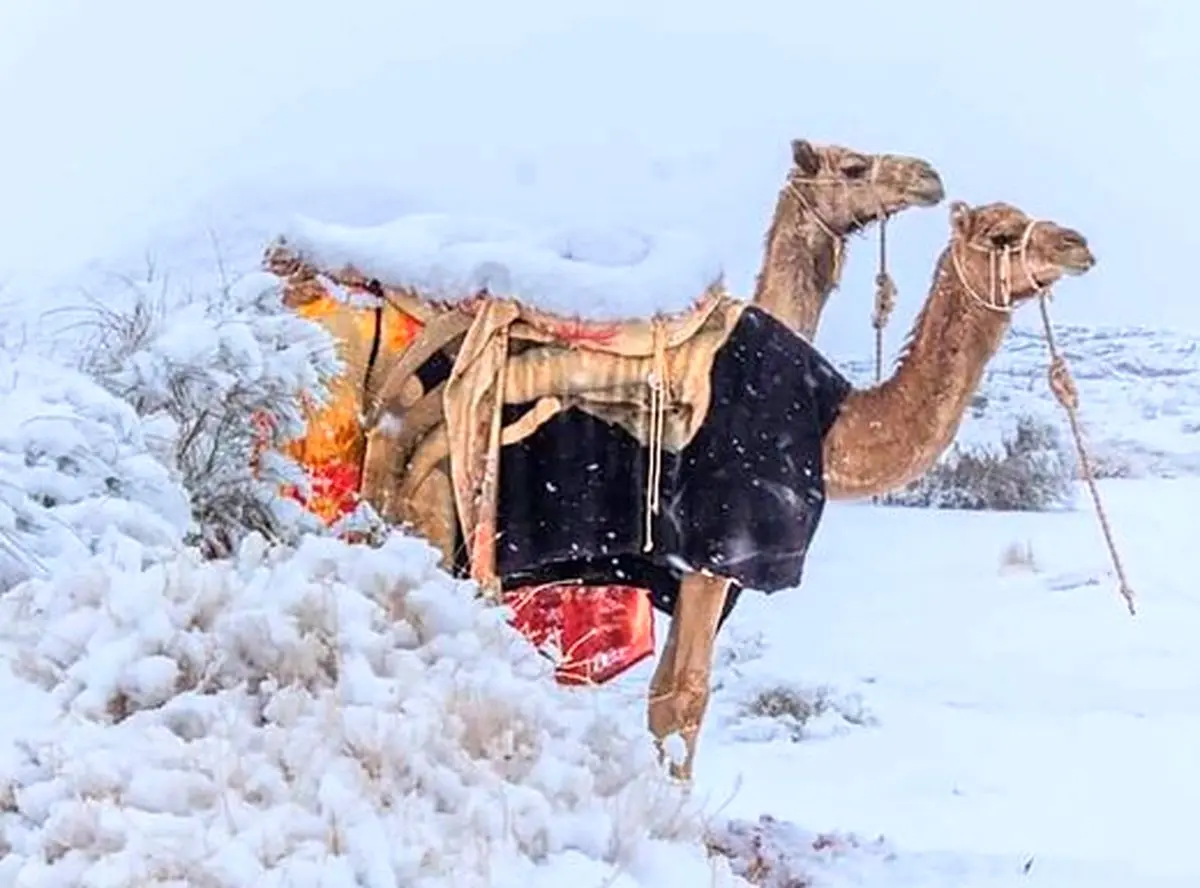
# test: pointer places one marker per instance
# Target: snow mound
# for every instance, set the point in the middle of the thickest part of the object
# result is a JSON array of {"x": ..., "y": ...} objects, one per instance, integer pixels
[
  {"x": 327, "y": 714},
  {"x": 597, "y": 273},
  {"x": 776, "y": 854},
  {"x": 79, "y": 474}
]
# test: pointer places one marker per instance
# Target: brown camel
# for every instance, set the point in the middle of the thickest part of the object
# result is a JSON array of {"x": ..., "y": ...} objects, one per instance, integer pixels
[
  {"x": 743, "y": 433},
  {"x": 830, "y": 193},
  {"x": 889, "y": 434}
]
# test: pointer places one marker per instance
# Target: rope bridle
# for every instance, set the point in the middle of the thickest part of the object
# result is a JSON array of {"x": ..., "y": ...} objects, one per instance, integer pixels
[
  {"x": 999, "y": 298},
  {"x": 885, "y": 287}
]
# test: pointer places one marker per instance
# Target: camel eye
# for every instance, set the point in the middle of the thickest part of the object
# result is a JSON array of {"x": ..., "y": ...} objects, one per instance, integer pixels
[
  {"x": 855, "y": 169},
  {"x": 1003, "y": 240}
]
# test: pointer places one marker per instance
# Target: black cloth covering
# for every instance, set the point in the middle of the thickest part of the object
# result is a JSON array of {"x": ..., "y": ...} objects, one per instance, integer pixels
[{"x": 743, "y": 499}]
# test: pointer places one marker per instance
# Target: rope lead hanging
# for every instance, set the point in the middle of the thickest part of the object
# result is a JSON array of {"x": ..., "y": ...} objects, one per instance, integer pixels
[
  {"x": 1067, "y": 394},
  {"x": 885, "y": 299}
]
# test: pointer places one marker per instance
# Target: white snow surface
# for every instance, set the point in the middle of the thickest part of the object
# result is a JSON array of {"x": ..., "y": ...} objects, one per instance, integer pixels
[
  {"x": 334, "y": 715},
  {"x": 600, "y": 273},
  {"x": 927, "y": 710},
  {"x": 997, "y": 721}
]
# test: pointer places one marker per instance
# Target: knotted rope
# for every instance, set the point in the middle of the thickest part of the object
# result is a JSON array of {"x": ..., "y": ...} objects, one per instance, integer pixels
[
  {"x": 885, "y": 304},
  {"x": 1062, "y": 384},
  {"x": 885, "y": 299},
  {"x": 1067, "y": 394}
]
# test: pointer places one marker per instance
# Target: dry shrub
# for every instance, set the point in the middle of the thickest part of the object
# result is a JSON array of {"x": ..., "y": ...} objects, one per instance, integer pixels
[
  {"x": 219, "y": 380},
  {"x": 796, "y": 708},
  {"x": 1033, "y": 470}
]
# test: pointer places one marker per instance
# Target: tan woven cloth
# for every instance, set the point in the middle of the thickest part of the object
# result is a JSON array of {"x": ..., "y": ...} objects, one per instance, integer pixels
[
  {"x": 432, "y": 457},
  {"x": 620, "y": 368}
]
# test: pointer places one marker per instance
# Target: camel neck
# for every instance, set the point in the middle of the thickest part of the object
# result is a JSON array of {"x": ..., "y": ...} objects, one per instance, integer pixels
[
  {"x": 892, "y": 433},
  {"x": 801, "y": 267}
]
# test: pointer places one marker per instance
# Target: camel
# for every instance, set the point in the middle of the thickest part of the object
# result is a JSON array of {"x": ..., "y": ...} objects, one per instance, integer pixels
[
  {"x": 830, "y": 193},
  {"x": 885, "y": 436},
  {"x": 532, "y": 440},
  {"x": 738, "y": 519}
]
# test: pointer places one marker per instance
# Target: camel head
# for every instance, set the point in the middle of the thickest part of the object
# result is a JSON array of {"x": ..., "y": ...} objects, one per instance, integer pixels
[
  {"x": 847, "y": 190},
  {"x": 1004, "y": 256}
]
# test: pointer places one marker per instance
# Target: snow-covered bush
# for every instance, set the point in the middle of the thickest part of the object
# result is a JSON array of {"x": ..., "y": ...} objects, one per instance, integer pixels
[
  {"x": 332, "y": 714},
  {"x": 77, "y": 475},
  {"x": 786, "y": 709},
  {"x": 1033, "y": 470},
  {"x": 214, "y": 377}
]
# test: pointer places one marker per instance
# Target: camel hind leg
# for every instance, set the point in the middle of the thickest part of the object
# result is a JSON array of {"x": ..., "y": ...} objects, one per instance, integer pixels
[{"x": 679, "y": 690}]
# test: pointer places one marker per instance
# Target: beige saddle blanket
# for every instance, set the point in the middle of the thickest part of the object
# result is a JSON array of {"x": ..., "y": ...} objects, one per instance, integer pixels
[{"x": 433, "y": 456}]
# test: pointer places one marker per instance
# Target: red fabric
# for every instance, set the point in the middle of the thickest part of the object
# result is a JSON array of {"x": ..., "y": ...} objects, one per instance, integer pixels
[
  {"x": 599, "y": 631},
  {"x": 335, "y": 488}
]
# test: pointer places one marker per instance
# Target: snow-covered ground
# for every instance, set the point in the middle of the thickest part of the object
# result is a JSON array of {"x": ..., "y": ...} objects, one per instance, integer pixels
[
  {"x": 342, "y": 717},
  {"x": 984, "y": 710},
  {"x": 951, "y": 698},
  {"x": 967, "y": 686}
]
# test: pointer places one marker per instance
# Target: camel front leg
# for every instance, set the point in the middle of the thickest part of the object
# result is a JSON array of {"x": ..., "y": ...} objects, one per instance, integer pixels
[{"x": 679, "y": 689}]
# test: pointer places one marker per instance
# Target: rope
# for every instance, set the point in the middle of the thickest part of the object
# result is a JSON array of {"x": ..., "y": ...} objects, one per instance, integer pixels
[
  {"x": 885, "y": 304},
  {"x": 659, "y": 383},
  {"x": 885, "y": 299},
  {"x": 1067, "y": 394}
]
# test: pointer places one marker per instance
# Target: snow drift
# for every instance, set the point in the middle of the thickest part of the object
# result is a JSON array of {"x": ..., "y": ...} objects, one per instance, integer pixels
[{"x": 330, "y": 714}]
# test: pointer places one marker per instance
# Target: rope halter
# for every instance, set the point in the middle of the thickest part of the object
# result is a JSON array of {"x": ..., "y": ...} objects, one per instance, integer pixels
[
  {"x": 999, "y": 296},
  {"x": 870, "y": 181}
]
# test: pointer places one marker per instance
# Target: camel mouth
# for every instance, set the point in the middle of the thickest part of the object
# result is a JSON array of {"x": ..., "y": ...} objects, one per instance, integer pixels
[
  {"x": 1072, "y": 253},
  {"x": 1078, "y": 261},
  {"x": 928, "y": 191}
]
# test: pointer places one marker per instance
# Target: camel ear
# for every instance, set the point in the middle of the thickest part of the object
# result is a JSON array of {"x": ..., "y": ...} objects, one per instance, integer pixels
[
  {"x": 804, "y": 155},
  {"x": 960, "y": 218}
]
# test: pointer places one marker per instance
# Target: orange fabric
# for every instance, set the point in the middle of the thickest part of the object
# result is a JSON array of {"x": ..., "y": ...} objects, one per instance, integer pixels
[
  {"x": 331, "y": 451},
  {"x": 600, "y": 632}
]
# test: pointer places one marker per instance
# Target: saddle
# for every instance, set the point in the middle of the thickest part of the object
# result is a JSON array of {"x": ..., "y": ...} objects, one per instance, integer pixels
[{"x": 430, "y": 459}]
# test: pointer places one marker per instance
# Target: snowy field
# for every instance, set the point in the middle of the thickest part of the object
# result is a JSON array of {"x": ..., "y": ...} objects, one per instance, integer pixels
[
  {"x": 951, "y": 700},
  {"x": 930, "y": 710},
  {"x": 1015, "y": 714}
]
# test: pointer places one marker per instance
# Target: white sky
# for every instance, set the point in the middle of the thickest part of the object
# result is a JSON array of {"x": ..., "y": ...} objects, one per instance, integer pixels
[{"x": 124, "y": 116}]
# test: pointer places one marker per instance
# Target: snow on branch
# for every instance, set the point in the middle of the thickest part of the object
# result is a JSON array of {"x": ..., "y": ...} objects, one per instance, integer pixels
[
  {"x": 214, "y": 377},
  {"x": 77, "y": 474}
]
